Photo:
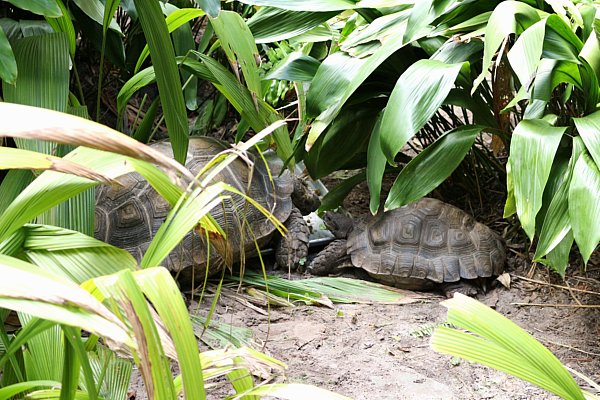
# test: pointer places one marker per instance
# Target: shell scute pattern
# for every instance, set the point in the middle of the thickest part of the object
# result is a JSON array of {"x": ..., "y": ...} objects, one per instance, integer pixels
[
  {"x": 426, "y": 240},
  {"x": 129, "y": 215}
]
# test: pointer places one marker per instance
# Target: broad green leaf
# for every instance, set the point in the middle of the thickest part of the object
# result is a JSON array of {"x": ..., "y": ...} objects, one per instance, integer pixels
[
  {"x": 296, "y": 67},
  {"x": 560, "y": 43},
  {"x": 589, "y": 128},
  {"x": 557, "y": 223},
  {"x": 43, "y": 80},
  {"x": 151, "y": 352},
  {"x": 507, "y": 18},
  {"x": 584, "y": 205},
  {"x": 12, "y": 391},
  {"x": 364, "y": 42},
  {"x": 243, "y": 101},
  {"x": 211, "y": 7},
  {"x": 591, "y": 53},
  {"x": 96, "y": 11},
  {"x": 60, "y": 301},
  {"x": 338, "y": 77},
  {"x": 12, "y": 184},
  {"x": 424, "y": 13},
  {"x": 376, "y": 163},
  {"x": 239, "y": 46},
  {"x": 110, "y": 7},
  {"x": 417, "y": 95},
  {"x": 495, "y": 341},
  {"x": 183, "y": 42},
  {"x": 162, "y": 291},
  {"x": 144, "y": 129},
  {"x": 115, "y": 371},
  {"x": 551, "y": 73},
  {"x": 306, "y": 5},
  {"x": 8, "y": 64},
  {"x": 47, "y": 8},
  {"x": 71, "y": 254},
  {"x": 274, "y": 24},
  {"x": 174, "y": 20},
  {"x": 432, "y": 166},
  {"x": 510, "y": 207},
  {"x": 167, "y": 76},
  {"x": 532, "y": 150},
  {"x": 64, "y": 24},
  {"x": 346, "y": 139},
  {"x": 524, "y": 56},
  {"x": 558, "y": 257}
]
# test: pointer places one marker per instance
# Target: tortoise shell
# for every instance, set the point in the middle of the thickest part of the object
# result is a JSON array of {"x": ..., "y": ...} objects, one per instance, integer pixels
[
  {"x": 128, "y": 216},
  {"x": 425, "y": 242}
]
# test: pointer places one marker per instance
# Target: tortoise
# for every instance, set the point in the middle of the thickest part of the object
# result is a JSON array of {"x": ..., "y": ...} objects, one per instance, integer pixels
[
  {"x": 414, "y": 247},
  {"x": 128, "y": 216}
]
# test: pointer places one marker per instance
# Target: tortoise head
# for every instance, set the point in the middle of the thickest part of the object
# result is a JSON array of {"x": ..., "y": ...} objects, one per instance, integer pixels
[{"x": 339, "y": 224}]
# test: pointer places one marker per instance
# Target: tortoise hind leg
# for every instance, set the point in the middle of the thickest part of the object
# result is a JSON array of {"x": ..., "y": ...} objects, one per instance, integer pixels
[
  {"x": 333, "y": 257},
  {"x": 291, "y": 250}
]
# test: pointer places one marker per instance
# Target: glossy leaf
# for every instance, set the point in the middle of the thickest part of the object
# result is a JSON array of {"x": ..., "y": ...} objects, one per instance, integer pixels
[
  {"x": 376, "y": 163},
  {"x": 507, "y": 18},
  {"x": 239, "y": 46},
  {"x": 162, "y": 291},
  {"x": 345, "y": 139},
  {"x": 557, "y": 223},
  {"x": 60, "y": 301},
  {"x": 296, "y": 67},
  {"x": 584, "y": 205},
  {"x": 493, "y": 340},
  {"x": 96, "y": 11},
  {"x": 274, "y": 24},
  {"x": 167, "y": 76},
  {"x": 47, "y": 8},
  {"x": 306, "y": 5},
  {"x": 338, "y": 77},
  {"x": 418, "y": 94},
  {"x": 8, "y": 64},
  {"x": 174, "y": 20},
  {"x": 432, "y": 166},
  {"x": 211, "y": 7},
  {"x": 589, "y": 128},
  {"x": 532, "y": 150}
]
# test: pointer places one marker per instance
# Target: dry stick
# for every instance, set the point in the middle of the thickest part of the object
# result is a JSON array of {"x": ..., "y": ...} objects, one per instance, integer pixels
[
  {"x": 558, "y": 286},
  {"x": 557, "y": 305}
]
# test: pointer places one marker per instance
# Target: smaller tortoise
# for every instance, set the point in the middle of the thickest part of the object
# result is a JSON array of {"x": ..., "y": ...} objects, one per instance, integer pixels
[{"x": 419, "y": 245}]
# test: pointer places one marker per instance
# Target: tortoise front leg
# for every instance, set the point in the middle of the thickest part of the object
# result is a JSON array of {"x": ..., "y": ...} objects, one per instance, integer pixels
[
  {"x": 291, "y": 250},
  {"x": 333, "y": 257}
]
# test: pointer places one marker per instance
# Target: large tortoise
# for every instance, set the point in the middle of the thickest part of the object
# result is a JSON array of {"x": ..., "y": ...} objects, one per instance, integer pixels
[
  {"x": 419, "y": 245},
  {"x": 128, "y": 216}
]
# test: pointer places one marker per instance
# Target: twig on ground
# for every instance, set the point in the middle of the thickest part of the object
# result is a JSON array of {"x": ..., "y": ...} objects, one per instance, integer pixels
[
  {"x": 559, "y": 305},
  {"x": 557, "y": 286}
]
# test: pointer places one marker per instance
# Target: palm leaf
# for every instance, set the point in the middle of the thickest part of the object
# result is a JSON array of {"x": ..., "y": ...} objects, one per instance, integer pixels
[
  {"x": 495, "y": 341},
  {"x": 167, "y": 77}
]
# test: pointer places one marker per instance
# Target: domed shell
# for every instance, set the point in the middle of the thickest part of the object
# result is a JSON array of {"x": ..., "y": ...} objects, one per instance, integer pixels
[
  {"x": 426, "y": 242},
  {"x": 129, "y": 216}
]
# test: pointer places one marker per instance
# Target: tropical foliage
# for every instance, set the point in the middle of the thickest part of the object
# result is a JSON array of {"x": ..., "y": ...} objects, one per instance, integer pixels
[
  {"x": 457, "y": 81},
  {"x": 522, "y": 71}
]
